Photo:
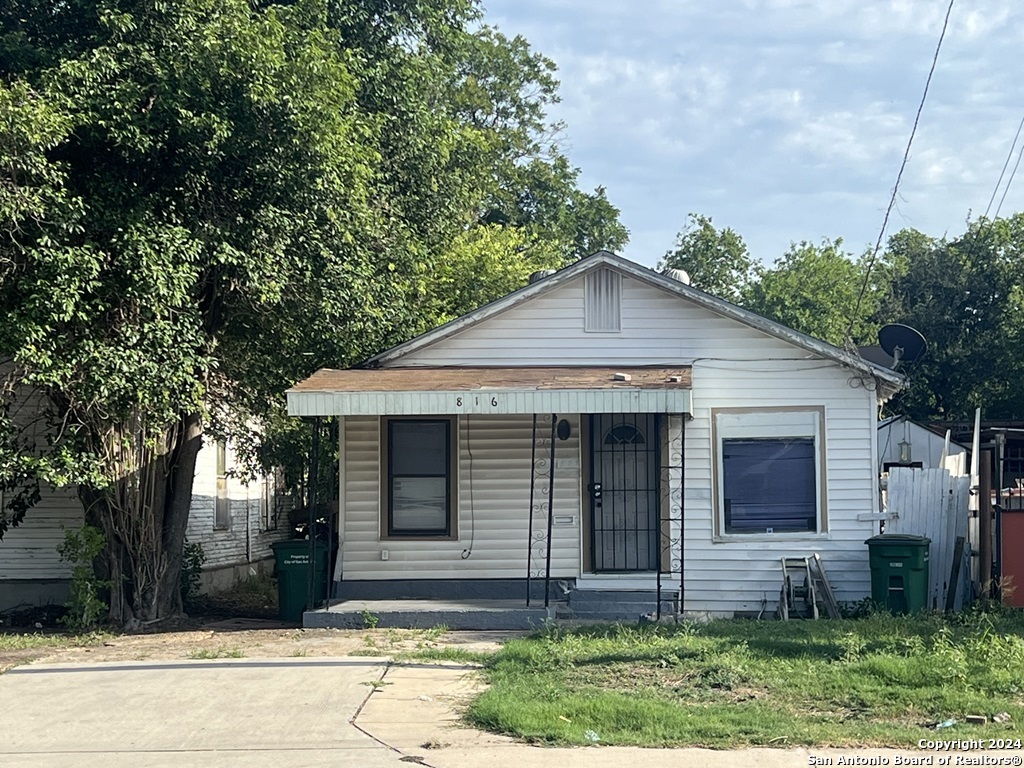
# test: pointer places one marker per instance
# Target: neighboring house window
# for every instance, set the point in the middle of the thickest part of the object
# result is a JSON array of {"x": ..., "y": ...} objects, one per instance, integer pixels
[
  {"x": 770, "y": 471},
  {"x": 275, "y": 498},
  {"x": 419, "y": 490},
  {"x": 602, "y": 301},
  {"x": 222, "y": 507},
  {"x": 267, "y": 518}
]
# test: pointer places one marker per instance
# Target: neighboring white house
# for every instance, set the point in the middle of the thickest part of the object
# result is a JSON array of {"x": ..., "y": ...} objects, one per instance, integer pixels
[
  {"x": 691, "y": 439},
  {"x": 902, "y": 441},
  {"x": 234, "y": 522}
]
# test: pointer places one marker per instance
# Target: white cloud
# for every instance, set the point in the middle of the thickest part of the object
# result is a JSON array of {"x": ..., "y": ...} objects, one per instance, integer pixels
[
  {"x": 785, "y": 119},
  {"x": 847, "y": 138}
]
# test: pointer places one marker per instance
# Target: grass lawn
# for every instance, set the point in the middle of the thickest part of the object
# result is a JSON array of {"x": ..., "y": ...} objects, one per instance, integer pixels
[
  {"x": 30, "y": 641},
  {"x": 876, "y": 681}
]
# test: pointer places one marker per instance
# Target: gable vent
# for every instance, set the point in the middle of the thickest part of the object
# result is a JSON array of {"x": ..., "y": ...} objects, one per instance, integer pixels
[{"x": 602, "y": 301}]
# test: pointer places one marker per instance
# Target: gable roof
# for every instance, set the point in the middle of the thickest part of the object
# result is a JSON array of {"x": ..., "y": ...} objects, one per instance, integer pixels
[{"x": 648, "y": 276}]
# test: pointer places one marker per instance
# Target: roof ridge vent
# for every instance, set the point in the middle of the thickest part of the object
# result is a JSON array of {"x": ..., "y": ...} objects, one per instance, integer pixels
[
  {"x": 540, "y": 274},
  {"x": 681, "y": 275}
]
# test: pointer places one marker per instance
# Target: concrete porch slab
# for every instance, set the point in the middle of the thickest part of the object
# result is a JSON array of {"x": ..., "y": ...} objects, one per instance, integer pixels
[{"x": 424, "y": 614}]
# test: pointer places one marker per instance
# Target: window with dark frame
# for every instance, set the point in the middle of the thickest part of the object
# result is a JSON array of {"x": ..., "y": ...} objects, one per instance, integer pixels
[
  {"x": 769, "y": 485},
  {"x": 419, "y": 472}
]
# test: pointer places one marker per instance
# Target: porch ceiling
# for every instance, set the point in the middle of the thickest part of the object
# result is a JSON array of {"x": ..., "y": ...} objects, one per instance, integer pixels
[{"x": 436, "y": 391}]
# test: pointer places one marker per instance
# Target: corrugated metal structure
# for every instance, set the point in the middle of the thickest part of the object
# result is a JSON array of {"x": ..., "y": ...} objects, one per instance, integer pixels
[{"x": 678, "y": 358}]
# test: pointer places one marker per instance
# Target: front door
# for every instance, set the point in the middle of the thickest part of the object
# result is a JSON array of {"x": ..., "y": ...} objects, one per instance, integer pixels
[{"x": 624, "y": 493}]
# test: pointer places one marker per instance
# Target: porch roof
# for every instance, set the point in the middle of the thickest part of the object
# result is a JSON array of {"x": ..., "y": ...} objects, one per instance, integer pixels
[{"x": 436, "y": 391}]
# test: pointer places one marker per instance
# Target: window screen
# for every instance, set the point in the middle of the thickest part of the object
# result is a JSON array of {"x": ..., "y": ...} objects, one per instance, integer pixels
[
  {"x": 419, "y": 473},
  {"x": 769, "y": 485}
]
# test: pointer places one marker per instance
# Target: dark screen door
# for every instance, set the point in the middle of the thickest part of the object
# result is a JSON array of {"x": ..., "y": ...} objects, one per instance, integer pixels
[{"x": 624, "y": 491}]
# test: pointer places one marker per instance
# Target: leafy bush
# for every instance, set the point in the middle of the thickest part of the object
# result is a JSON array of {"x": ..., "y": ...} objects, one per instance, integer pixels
[
  {"x": 85, "y": 606},
  {"x": 192, "y": 561}
]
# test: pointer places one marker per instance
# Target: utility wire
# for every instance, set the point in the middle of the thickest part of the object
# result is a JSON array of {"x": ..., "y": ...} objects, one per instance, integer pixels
[
  {"x": 1009, "y": 155},
  {"x": 1009, "y": 181},
  {"x": 899, "y": 178}
]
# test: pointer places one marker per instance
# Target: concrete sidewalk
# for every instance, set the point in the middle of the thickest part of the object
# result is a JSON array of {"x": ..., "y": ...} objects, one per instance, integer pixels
[{"x": 286, "y": 713}]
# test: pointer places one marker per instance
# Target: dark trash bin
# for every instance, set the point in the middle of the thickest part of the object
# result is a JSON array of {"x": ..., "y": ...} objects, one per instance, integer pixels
[
  {"x": 899, "y": 571},
  {"x": 291, "y": 564}
]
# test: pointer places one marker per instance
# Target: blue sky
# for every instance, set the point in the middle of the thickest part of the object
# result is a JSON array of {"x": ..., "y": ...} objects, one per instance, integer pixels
[{"x": 783, "y": 119}]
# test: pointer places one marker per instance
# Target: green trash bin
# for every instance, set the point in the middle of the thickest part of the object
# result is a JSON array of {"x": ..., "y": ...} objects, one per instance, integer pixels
[
  {"x": 291, "y": 559},
  {"x": 899, "y": 571}
]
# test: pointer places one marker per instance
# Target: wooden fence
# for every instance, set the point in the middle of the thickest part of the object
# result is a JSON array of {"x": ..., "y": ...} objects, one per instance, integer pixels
[{"x": 933, "y": 503}]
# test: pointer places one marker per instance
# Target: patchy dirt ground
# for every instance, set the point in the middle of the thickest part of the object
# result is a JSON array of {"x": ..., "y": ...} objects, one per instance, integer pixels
[{"x": 246, "y": 638}]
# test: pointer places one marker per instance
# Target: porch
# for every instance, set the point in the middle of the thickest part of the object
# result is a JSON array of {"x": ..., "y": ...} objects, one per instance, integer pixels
[{"x": 464, "y": 490}]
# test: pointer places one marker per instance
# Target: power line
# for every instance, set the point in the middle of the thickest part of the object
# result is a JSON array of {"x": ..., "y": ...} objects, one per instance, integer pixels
[
  {"x": 1009, "y": 155},
  {"x": 1009, "y": 181},
  {"x": 899, "y": 177}
]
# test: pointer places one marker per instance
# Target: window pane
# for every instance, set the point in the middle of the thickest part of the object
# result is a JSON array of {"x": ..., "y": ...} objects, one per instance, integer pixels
[
  {"x": 769, "y": 485},
  {"x": 419, "y": 504},
  {"x": 419, "y": 447},
  {"x": 222, "y": 508}
]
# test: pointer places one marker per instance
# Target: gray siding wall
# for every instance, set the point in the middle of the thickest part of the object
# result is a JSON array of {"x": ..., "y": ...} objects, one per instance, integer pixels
[
  {"x": 246, "y": 538},
  {"x": 494, "y": 502},
  {"x": 29, "y": 552}
]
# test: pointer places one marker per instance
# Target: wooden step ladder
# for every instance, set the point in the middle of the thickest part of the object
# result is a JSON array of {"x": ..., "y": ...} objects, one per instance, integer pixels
[{"x": 805, "y": 587}]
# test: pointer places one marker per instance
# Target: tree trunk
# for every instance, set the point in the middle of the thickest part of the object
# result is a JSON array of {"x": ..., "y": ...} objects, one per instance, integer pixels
[
  {"x": 145, "y": 531},
  {"x": 180, "y": 477},
  {"x": 109, "y": 566}
]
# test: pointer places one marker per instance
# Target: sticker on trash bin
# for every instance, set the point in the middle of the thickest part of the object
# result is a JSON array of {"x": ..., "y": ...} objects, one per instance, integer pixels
[{"x": 296, "y": 560}]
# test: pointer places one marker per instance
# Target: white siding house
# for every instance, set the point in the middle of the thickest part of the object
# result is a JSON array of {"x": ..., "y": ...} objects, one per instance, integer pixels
[
  {"x": 234, "y": 522},
  {"x": 239, "y": 542},
  {"x": 697, "y": 444}
]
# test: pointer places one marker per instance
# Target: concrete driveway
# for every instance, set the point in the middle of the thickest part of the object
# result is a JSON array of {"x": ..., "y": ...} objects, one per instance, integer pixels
[
  {"x": 286, "y": 713},
  {"x": 211, "y": 713}
]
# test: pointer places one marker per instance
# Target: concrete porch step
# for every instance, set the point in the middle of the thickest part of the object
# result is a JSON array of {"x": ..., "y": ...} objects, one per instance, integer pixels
[
  {"x": 582, "y": 596},
  {"x": 618, "y": 605}
]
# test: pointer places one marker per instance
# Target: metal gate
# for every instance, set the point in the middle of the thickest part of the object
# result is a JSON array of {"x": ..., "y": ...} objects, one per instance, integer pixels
[{"x": 624, "y": 491}]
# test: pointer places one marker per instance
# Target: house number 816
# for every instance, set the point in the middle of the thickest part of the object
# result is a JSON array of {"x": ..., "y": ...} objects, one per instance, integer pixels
[{"x": 458, "y": 402}]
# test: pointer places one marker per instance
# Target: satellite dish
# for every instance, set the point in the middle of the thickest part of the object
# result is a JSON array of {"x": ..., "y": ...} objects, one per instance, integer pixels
[{"x": 902, "y": 343}]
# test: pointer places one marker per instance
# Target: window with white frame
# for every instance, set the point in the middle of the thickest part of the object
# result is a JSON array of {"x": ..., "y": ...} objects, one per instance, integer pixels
[
  {"x": 222, "y": 506},
  {"x": 419, "y": 478},
  {"x": 770, "y": 471}
]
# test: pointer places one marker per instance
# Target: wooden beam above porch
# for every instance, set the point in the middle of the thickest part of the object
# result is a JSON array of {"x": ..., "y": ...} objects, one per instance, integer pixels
[{"x": 431, "y": 391}]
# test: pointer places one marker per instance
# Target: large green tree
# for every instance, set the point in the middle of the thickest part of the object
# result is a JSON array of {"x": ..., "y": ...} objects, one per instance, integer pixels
[
  {"x": 205, "y": 200},
  {"x": 716, "y": 260},
  {"x": 966, "y": 295},
  {"x": 817, "y": 289}
]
